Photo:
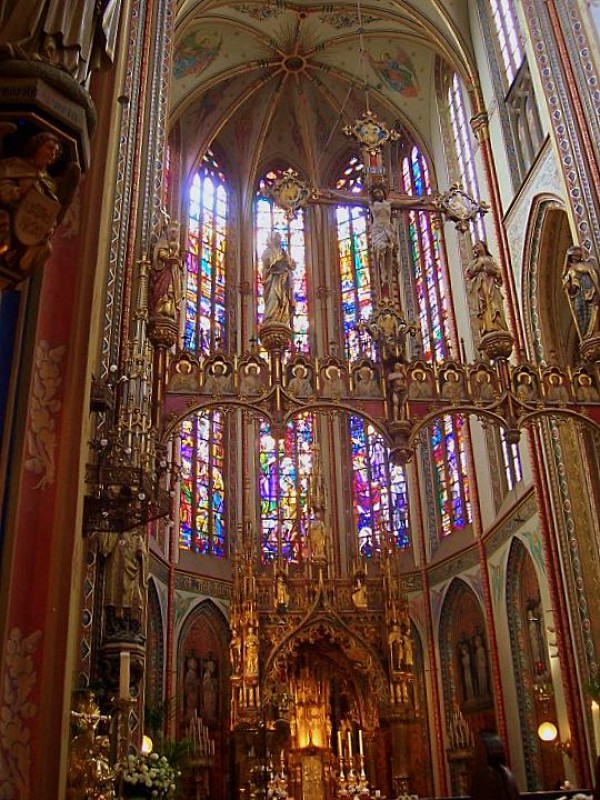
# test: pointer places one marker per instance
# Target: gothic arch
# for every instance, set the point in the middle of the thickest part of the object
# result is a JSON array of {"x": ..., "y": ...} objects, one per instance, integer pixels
[
  {"x": 464, "y": 661},
  {"x": 326, "y": 635},
  {"x": 531, "y": 665},
  {"x": 547, "y": 320},
  {"x": 204, "y": 635},
  {"x": 155, "y": 649}
]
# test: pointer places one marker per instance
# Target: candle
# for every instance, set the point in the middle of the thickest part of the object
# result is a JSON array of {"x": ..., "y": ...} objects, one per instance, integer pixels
[
  {"x": 360, "y": 742},
  {"x": 124, "y": 673},
  {"x": 340, "y": 753},
  {"x": 596, "y": 723},
  {"x": 349, "y": 744}
]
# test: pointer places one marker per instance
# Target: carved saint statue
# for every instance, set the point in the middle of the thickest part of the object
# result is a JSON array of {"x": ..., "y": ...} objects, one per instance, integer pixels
[
  {"x": 485, "y": 281},
  {"x": 125, "y": 579},
  {"x": 581, "y": 282},
  {"x": 277, "y": 283},
  {"x": 32, "y": 203},
  {"x": 167, "y": 272},
  {"x": 76, "y": 36}
]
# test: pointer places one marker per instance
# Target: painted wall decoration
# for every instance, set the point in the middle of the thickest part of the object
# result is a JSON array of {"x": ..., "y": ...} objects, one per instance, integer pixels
[
  {"x": 395, "y": 69},
  {"x": 195, "y": 52}
]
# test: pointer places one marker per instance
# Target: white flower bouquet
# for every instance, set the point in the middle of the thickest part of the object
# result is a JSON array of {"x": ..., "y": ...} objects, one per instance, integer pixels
[{"x": 147, "y": 775}]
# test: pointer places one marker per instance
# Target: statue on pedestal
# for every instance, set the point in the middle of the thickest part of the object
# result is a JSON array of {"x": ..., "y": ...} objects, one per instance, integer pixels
[{"x": 76, "y": 36}]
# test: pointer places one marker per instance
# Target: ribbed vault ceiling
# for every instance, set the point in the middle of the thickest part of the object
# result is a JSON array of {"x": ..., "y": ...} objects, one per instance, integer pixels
[{"x": 277, "y": 81}]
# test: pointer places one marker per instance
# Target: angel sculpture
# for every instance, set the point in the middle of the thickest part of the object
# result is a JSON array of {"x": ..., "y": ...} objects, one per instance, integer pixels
[{"x": 33, "y": 203}]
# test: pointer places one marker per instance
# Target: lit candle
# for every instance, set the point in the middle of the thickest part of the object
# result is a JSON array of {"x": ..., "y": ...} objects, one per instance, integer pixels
[
  {"x": 596, "y": 723},
  {"x": 360, "y": 742},
  {"x": 349, "y": 744},
  {"x": 124, "y": 673}
]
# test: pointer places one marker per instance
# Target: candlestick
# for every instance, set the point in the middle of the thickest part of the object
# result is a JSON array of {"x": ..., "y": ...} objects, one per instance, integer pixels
[
  {"x": 349, "y": 744},
  {"x": 124, "y": 674}
]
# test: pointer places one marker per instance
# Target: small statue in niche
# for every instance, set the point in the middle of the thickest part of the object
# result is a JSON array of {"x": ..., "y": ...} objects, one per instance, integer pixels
[
  {"x": 210, "y": 689},
  {"x": 556, "y": 391},
  {"x": 166, "y": 277},
  {"x": 333, "y": 384},
  {"x": 585, "y": 391},
  {"x": 464, "y": 657},
  {"x": 365, "y": 382},
  {"x": 317, "y": 537},
  {"x": 451, "y": 385},
  {"x": 251, "y": 379},
  {"x": 126, "y": 571},
  {"x": 399, "y": 388},
  {"x": 359, "y": 593},
  {"x": 485, "y": 282},
  {"x": 191, "y": 685},
  {"x": 420, "y": 385},
  {"x": 185, "y": 376},
  {"x": 282, "y": 595},
  {"x": 251, "y": 653},
  {"x": 218, "y": 379},
  {"x": 481, "y": 666},
  {"x": 581, "y": 282},
  {"x": 484, "y": 390},
  {"x": 300, "y": 385},
  {"x": 32, "y": 203}
]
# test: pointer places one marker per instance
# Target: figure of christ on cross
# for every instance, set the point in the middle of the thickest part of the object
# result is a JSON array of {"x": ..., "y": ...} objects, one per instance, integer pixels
[{"x": 382, "y": 230}]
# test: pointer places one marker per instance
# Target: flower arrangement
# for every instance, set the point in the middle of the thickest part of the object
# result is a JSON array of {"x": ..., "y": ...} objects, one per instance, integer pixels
[{"x": 147, "y": 775}]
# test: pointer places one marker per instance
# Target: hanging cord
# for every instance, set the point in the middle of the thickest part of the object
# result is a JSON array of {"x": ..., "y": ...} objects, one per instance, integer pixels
[{"x": 362, "y": 54}]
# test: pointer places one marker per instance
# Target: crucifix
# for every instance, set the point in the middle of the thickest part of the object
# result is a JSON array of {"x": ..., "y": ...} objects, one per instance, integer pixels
[{"x": 291, "y": 193}]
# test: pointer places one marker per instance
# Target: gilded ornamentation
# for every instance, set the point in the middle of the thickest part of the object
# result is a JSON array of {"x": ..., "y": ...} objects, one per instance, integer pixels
[
  {"x": 289, "y": 192},
  {"x": 371, "y": 133},
  {"x": 16, "y": 711},
  {"x": 460, "y": 208},
  {"x": 45, "y": 405}
]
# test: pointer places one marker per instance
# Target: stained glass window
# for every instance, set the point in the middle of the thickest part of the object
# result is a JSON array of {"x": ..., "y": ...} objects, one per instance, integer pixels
[
  {"x": 284, "y": 464},
  {"x": 205, "y": 286},
  {"x": 202, "y": 436},
  {"x": 449, "y": 460},
  {"x": 504, "y": 17},
  {"x": 379, "y": 488},
  {"x": 463, "y": 148}
]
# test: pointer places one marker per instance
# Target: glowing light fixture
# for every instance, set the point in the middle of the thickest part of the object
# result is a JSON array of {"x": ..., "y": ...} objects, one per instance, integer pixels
[
  {"x": 147, "y": 744},
  {"x": 547, "y": 732}
]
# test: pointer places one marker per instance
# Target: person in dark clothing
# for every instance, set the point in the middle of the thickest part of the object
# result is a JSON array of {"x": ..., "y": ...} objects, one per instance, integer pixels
[{"x": 492, "y": 779}]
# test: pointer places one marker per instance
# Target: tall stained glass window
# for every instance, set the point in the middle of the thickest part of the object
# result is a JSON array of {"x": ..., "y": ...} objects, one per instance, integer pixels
[
  {"x": 379, "y": 488},
  {"x": 202, "y": 436},
  {"x": 504, "y": 17},
  {"x": 449, "y": 458},
  {"x": 466, "y": 161},
  {"x": 205, "y": 285},
  {"x": 285, "y": 464}
]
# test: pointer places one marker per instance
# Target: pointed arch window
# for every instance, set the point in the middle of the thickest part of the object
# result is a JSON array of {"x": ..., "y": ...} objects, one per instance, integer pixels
[
  {"x": 284, "y": 464},
  {"x": 379, "y": 488},
  {"x": 448, "y": 450},
  {"x": 203, "y": 436}
]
